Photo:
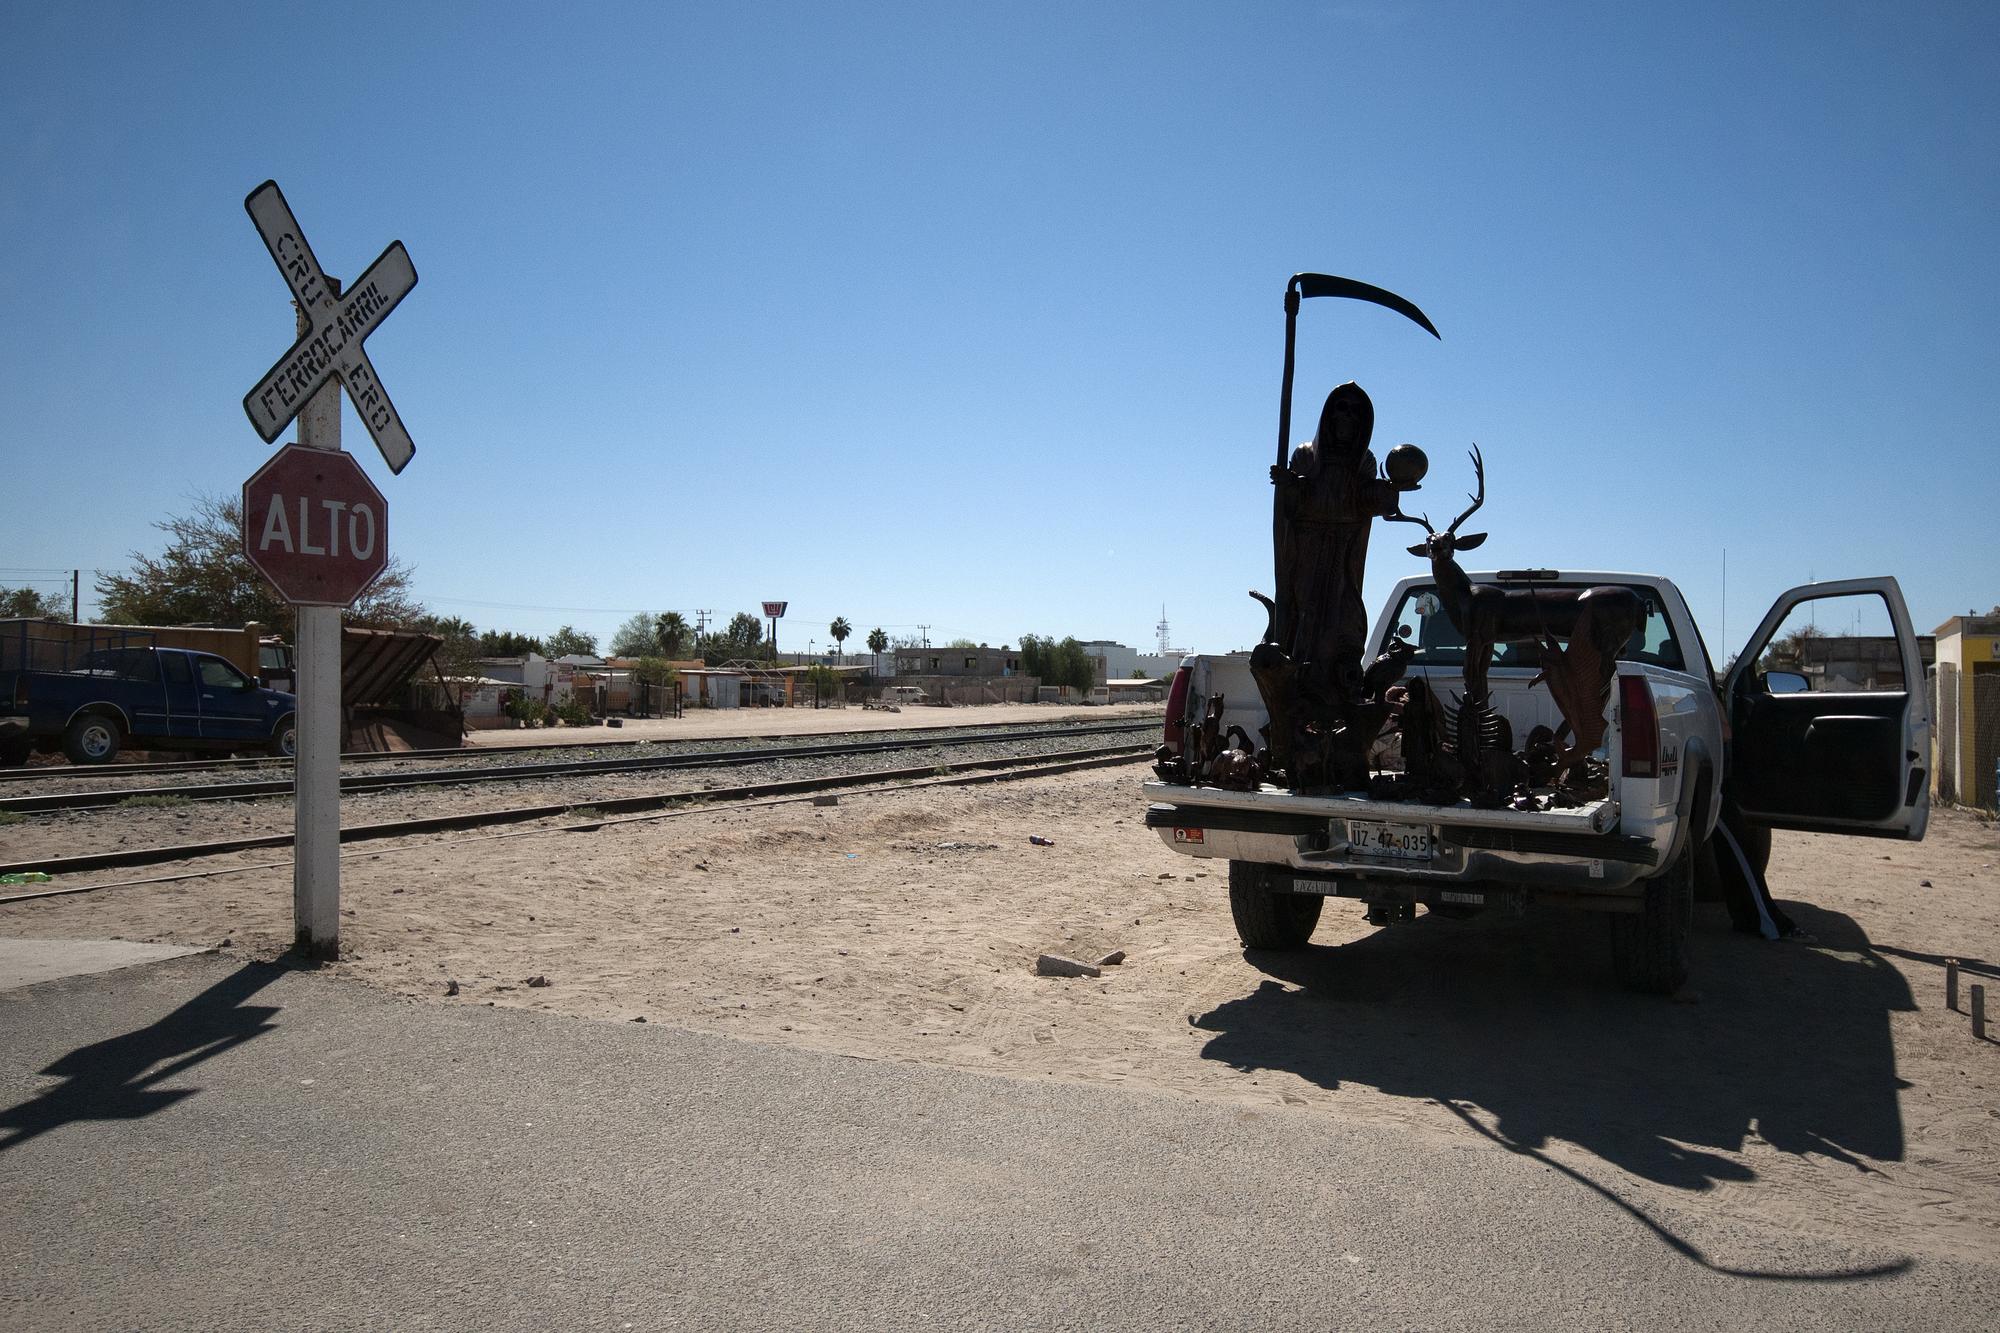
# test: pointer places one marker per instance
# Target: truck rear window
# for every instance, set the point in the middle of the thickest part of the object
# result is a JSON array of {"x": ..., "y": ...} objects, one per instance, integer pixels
[
  {"x": 121, "y": 663},
  {"x": 1422, "y": 620}
]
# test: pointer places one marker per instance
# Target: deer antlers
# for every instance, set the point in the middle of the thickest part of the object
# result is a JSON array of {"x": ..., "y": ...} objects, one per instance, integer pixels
[
  {"x": 1397, "y": 515},
  {"x": 1479, "y": 470}
]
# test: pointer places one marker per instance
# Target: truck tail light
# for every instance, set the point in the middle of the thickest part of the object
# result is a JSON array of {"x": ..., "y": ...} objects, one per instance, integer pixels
[
  {"x": 1177, "y": 711},
  {"x": 1638, "y": 728}
]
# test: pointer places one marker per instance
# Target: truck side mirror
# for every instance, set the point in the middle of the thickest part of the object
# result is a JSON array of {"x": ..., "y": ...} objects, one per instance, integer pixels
[{"x": 1784, "y": 682}]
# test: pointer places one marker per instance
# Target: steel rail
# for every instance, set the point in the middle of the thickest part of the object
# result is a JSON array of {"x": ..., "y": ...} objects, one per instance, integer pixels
[
  {"x": 195, "y": 763},
  {"x": 365, "y": 782},
  {"x": 591, "y": 826},
  {"x": 137, "y": 856}
]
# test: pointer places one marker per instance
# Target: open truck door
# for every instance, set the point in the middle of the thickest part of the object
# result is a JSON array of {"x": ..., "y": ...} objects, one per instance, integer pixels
[{"x": 1827, "y": 743}]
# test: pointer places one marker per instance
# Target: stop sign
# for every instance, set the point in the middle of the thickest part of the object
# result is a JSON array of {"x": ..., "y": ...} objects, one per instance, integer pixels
[{"x": 315, "y": 526}]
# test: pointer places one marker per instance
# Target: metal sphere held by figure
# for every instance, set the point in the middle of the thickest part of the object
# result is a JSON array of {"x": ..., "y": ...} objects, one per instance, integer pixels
[{"x": 1406, "y": 466}]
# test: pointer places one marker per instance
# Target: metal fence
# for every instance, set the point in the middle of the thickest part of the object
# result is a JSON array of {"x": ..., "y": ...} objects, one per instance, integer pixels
[
  {"x": 1944, "y": 708},
  {"x": 36, "y": 645},
  {"x": 1980, "y": 784}
]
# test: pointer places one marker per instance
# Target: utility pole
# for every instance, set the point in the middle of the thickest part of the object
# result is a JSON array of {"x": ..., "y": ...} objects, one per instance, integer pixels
[
  {"x": 924, "y": 633},
  {"x": 75, "y": 595}
]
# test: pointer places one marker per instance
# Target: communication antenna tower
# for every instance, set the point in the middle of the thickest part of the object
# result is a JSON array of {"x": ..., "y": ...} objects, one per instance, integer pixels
[{"x": 1161, "y": 628}]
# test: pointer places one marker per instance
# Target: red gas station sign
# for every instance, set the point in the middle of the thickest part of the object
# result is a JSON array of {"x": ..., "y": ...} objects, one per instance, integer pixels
[{"x": 315, "y": 526}]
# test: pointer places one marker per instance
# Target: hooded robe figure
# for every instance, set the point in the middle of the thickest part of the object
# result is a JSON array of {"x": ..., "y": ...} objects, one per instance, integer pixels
[{"x": 1329, "y": 495}]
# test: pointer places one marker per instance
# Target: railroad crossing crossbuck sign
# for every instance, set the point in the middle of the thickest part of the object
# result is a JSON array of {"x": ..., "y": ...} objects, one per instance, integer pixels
[
  {"x": 332, "y": 344},
  {"x": 315, "y": 526}
]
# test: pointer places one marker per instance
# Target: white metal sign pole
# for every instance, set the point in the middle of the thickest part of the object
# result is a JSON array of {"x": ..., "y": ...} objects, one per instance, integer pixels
[
  {"x": 327, "y": 356},
  {"x": 316, "y": 798}
]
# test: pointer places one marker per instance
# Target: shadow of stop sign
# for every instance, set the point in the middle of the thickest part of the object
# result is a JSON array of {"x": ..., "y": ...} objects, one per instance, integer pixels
[{"x": 315, "y": 526}]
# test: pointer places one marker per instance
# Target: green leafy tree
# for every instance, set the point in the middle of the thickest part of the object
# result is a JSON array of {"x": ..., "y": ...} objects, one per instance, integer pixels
[
  {"x": 27, "y": 604},
  {"x": 652, "y": 670},
  {"x": 742, "y": 637},
  {"x": 963, "y": 643},
  {"x": 1056, "y": 662},
  {"x": 824, "y": 683},
  {"x": 507, "y": 643},
  {"x": 572, "y": 642},
  {"x": 458, "y": 656},
  {"x": 203, "y": 576},
  {"x": 655, "y": 672},
  {"x": 635, "y": 637},
  {"x": 672, "y": 634},
  {"x": 840, "y": 629},
  {"x": 878, "y": 642},
  {"x": 1788, "y": 651}
]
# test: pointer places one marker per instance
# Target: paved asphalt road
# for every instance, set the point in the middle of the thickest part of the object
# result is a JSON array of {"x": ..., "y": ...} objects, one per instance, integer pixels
[{"x": 204, "y": 1143}]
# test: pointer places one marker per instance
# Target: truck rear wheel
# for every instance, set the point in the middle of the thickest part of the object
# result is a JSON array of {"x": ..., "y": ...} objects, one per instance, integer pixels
[
  {"x": 1649, "y": 950},
  {"x": 1266, "y": 918},
  {"x": 93, "y": 738}
]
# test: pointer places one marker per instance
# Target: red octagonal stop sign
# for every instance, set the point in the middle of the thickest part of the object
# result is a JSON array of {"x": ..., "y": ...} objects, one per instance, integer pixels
[{"x": 315, "y": 526}]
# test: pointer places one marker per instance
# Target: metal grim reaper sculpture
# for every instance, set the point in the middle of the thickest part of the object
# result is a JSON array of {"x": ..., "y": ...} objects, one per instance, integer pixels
[
  {"x": 1325, "y": 709},
  {"x": 1308, "y": 668}
]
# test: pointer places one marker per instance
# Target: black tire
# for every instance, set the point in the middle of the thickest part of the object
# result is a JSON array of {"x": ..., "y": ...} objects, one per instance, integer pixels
[
  {"x": 285, "y": 738},
  {"x": 1649, "y": 950},
  {"x": 1265, "y": 918},
  {"x": 93, "y": 738}
]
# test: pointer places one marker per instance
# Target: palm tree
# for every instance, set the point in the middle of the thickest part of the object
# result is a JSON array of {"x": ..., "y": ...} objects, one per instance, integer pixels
[
  {"x": 671, "y": 631},
  {"x": 878, "y": 642},
  {"x": 839, "y": 629}
]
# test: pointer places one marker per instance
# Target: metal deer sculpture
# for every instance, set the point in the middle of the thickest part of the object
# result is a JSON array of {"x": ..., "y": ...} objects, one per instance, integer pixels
[{"x": 1597, "y": 622}]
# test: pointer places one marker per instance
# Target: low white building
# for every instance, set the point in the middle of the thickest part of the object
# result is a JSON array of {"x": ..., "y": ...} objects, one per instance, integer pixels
[
  {"x": 1123, "y": 663},
  {"x": 534, "y": 675}
]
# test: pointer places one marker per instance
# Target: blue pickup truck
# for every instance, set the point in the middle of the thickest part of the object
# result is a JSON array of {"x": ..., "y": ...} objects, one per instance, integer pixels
[{"x": 95, "y": 695}]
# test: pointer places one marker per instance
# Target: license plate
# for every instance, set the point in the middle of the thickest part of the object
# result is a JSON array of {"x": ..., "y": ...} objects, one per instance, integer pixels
[{"x": 1397, "y": 842}]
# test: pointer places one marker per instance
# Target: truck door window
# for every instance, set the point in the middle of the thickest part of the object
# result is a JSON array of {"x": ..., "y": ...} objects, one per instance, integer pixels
[
  {"x": 174, "y": 666},
  {"x": 218, "y": 674},
  {"x": 1835, "y": 645}
]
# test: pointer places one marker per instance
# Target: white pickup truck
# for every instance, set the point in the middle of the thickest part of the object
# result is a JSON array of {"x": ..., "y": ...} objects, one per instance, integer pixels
[{"x": 1789, "y": 755}]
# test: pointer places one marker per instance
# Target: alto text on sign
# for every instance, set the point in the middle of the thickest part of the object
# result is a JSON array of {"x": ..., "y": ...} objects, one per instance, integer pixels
[{"x": 315, "y": 526}]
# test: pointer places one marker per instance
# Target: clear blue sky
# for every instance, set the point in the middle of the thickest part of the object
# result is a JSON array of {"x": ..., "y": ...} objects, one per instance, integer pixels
[{"x": 970, "y": 315}]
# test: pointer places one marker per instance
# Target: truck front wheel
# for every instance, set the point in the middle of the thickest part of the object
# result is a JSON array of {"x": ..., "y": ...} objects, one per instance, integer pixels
[
  {"x": 93, "y": 738},
  {"x": 1265, "y": 917},
  {"x": 1649, "y": 949}
]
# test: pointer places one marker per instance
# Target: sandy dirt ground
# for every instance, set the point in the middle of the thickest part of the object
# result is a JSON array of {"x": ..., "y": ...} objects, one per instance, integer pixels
[{"x": 1821, "y": 1086}]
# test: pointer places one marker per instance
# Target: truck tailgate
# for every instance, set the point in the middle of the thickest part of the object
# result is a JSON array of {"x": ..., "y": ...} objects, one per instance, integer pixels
[{"x": 1597, "y": 816}]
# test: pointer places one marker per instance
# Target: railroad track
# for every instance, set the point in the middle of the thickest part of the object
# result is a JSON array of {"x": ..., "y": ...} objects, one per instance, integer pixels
[
  {"x": 602, "y": 812},
  {"x": 461, "y": 776},
  {"x": 193, "y": 764}
]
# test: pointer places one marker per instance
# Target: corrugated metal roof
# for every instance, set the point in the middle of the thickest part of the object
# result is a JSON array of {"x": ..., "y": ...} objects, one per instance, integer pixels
[{"x": 376, "y": 663}]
